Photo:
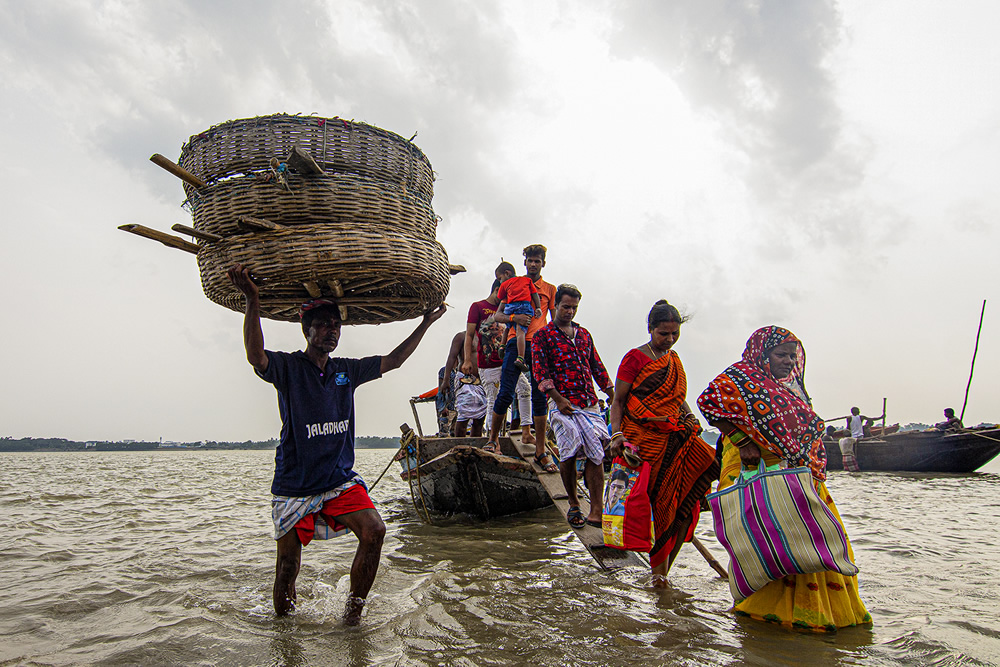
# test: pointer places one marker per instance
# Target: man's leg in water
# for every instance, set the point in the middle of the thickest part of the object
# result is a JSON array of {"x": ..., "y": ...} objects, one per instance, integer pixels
[
  {"x": 286, "y": 570},
  {"x": 367, "y": 525}
]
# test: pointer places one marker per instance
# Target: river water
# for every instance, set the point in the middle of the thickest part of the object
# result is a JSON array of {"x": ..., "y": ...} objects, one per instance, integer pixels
[{"x": 166, "y": 557}]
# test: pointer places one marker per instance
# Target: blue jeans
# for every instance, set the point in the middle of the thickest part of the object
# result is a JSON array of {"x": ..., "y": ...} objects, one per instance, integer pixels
[
  {"x": 520, "y": 308},
  {"x": 508, "y": 381}
]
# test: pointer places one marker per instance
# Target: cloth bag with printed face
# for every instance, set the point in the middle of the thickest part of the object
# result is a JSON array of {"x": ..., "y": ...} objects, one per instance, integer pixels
[{"x": 627, "y": 521}]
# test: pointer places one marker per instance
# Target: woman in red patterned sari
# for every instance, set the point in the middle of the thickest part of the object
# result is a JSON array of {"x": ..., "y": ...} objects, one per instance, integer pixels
[
  {"x": 761, "y": 406},
  {"x": 649, "y": 413}
]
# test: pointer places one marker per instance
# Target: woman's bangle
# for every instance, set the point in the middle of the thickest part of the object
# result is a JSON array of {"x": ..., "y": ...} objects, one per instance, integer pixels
[{"x": 616, "y": 434}]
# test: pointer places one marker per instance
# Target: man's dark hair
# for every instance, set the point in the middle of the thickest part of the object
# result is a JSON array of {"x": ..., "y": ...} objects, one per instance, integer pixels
[
  {"x": 535, "y": 250},
  {"x": 496, "y": 285},
  {"x": 506, "y": 267},
  {"x": 567, "y": 290},
  {"x": 310, "y": 315},
  {"x": 949, "y": 412},
  {"x": 855, "y": 411},
  {"x": 662, "y": 311}
]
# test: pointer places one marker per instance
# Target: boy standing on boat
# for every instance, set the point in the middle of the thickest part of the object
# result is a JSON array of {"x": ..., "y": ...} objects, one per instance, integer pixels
[
  {"x": 566, "y": 365},
  {"x": 534, "y": 261},
  {"x": 315, "y": 491}
]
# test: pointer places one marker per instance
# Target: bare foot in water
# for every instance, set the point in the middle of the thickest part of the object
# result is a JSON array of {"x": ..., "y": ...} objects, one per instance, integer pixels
[{"x": 352, "y": 612}]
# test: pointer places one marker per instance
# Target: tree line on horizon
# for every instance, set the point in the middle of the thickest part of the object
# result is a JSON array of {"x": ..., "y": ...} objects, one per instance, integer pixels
[{"x": 11, "y": 444}]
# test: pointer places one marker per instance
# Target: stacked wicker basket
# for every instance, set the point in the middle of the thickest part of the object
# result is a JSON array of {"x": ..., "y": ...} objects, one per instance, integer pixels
[{"x": 315, "y": 207}]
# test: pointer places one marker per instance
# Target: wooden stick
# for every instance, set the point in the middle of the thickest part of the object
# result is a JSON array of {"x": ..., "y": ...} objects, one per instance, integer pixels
[
  {"x": 703, "y": 550},
  {"x": 208, "y": 237},
  {"x": 257, "y": 224},
  {"x": 343, "y": 313},
  {"x": 177, "y": 170},
  {"x": 302, "y": 162},
  {"x": 335, "y": 287},
  {"x": 883, "y": 415},
  {"x": 416, "y": 417},
  {"x": 313, "y": 288},
  {"x": 455, "y": 269},
  {"x": 974, "y": 353},
  {"x": 164, "y": 238}
]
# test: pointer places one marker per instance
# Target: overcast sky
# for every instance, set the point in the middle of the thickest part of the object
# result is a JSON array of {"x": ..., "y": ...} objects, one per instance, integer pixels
[{"x": 825, "y": 166}]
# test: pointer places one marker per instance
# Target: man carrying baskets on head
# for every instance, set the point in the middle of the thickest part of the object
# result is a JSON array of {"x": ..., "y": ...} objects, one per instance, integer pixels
[{"x": 316, "y": 493}]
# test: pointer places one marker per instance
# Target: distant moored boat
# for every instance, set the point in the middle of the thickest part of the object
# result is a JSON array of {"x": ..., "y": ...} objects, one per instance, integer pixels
[{"x": 922, "y": 451}]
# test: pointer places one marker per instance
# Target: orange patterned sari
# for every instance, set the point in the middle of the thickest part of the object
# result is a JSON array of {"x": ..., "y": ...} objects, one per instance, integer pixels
[{"x": 682, "y": 465}]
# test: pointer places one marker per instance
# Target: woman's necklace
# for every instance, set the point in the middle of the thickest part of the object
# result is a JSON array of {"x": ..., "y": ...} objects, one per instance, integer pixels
[{"x": 653, "y": 352}]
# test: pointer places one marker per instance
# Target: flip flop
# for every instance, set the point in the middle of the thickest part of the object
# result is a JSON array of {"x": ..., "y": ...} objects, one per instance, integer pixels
[
  {"x": 546, "y": 463},
  {"x": 574, "y": 517},
  {"x": 491, "y": 447},
  {"x": 595, "y": 524}
]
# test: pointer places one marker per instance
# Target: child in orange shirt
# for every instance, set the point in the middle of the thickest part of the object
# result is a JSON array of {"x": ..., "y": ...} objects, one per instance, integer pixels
[{"x": 517, "y": 295}]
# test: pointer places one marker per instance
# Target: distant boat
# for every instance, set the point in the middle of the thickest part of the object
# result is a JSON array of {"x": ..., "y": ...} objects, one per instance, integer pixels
[{"x": 922, "y": 451}]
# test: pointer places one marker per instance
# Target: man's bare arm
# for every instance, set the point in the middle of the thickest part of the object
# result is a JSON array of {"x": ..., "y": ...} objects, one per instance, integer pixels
[
  {"x": 253, "y": 335},
  {"x": 395, "y": 359}
]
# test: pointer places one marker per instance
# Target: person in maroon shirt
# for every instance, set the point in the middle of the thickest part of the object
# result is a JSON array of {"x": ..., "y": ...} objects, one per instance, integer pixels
[
  {"x": 484, "y": 350},
  {"x": 565, "y": 364}
]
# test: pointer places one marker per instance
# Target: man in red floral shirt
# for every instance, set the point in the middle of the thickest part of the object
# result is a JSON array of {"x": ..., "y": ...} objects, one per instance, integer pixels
[{"x": 565, "y": 364}]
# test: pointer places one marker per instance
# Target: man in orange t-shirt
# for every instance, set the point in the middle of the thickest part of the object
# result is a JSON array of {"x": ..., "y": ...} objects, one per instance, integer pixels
[{"x": 534, "y": 260}]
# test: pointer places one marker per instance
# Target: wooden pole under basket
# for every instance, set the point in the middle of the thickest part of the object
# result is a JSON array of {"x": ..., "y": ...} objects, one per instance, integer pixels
[
  {"x": 177, "y": 170},
  {"x": 164, "y": 238}
]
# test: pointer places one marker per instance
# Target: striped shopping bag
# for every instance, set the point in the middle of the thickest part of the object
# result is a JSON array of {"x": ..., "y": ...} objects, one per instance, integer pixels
[{"x": 773, "y": 523}]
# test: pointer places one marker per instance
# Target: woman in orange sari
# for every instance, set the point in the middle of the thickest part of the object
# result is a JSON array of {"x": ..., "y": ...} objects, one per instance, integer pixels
[
  {"x": 761, "y": 406},
  {"x": 649, "y": 414}
]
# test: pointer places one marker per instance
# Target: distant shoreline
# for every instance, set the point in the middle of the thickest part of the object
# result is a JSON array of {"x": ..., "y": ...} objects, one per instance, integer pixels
[{"x": 9, "y": 444}]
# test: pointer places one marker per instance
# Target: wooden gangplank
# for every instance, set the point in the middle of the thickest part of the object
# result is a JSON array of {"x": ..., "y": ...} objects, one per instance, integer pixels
[{"x": 591, "y": 537}]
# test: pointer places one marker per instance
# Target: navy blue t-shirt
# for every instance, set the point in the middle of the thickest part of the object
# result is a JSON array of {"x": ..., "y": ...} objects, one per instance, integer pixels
[{"x": 316, "y": 451}]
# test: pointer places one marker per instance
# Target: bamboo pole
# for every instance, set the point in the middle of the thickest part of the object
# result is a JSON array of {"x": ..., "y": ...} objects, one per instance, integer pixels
[
  {"x": 177, "y": 170},
  {"x": 883, "y": 415},
  {"x": 703, "y": 550},
  {"x": 257, "y": 224},
  {"x": 973, "y": 368},
  {"x": 208, "y": 237},
  {"x": 166, "y": 239}
]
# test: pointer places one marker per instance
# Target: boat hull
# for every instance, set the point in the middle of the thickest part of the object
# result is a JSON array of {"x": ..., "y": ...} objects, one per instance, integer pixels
[
  {"x": 922, "y": 451},
  {"x": 464, "y": 479}
]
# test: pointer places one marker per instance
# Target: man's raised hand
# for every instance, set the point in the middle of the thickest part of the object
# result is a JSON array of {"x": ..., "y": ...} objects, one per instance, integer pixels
[{"x": 239, "y": 275}]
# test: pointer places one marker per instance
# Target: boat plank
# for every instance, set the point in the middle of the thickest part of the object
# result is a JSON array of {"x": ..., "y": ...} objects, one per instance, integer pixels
[{"x": 592, "y": 538}]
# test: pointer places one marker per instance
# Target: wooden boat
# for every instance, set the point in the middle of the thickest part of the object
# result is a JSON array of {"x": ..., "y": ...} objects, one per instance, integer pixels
[
  {"x": 455, "y": 475},
  {"x": 922, "y": 451}
]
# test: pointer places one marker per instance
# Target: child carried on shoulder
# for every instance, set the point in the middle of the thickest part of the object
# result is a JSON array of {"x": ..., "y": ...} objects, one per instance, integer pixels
[{"x": 518, "y": 296}]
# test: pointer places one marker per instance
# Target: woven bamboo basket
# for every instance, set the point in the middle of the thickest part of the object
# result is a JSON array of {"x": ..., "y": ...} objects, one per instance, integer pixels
[
  {"x": 340, "y": 198},
  {"x": 377, "y": 277},
  {"x": 246, "y": 146}
]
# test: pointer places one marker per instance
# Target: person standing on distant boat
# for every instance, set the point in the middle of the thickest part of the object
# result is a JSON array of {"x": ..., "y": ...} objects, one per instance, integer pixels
[
  {"x": 534, "y": 261},
  {"x": 951, "y": 422},
  {"x": 856, "y": 423},
  {"x": 566, "y": 365},
  {"x": 316, "y": 493}
]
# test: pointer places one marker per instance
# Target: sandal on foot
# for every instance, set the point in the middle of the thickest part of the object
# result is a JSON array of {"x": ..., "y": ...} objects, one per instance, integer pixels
[
  {"x": 546, "y": 463},
  {"x": 574, "y": 517},
  {"x": 520, "y": 365},
  {"x": 491, "y": 447},
  {"x": 595, "y": 524}
]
